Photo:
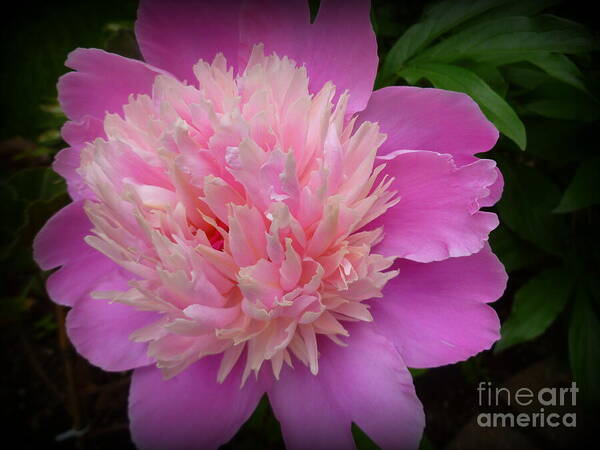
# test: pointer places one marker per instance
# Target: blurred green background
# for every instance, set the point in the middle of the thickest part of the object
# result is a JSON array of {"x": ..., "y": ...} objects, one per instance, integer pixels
[{"x": 533, "y": 68}]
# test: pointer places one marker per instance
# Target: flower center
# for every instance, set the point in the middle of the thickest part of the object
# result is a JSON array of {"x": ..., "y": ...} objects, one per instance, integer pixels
[{"x": 237, "y": 209}]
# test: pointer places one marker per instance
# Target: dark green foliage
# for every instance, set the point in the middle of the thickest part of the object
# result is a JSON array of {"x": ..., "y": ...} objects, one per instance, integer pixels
[
  {"x": 584, "y": 345},
  {"x": 461, "y": 45},
  {"x": 537, "y": 304},
  {"x": 34, "y": 44},
  {"x": 534, "y": 76}
]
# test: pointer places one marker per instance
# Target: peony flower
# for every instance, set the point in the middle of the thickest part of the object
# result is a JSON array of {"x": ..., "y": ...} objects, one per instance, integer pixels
[{"x": 248, "y": 217}]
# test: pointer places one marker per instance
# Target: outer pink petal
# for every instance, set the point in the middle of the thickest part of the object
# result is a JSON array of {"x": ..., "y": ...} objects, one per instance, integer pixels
[
  {"x": 433, "y": 119},
  {"x": 175, "y": 34},
  {"x": 100, "y": 330},
  {"x": 366, "y": 383},
  {"x": 67, "y": 161},
  {"x": 438, "y": 214},
  {"x": 291, "y": 36},
  {"x": 436, "y": 313},
  {"x": 60, "y": 243},
  {"x": 102, "y": 82},
  {"x": 430, "y": 119},
  {"x": 340, "y": 46},
  {"x": 79, "y": 133},
  {"x": 66, "y": 164},
  {"x": 309, "y": 415},
  {"x": 79, "y": 276},
  {"x": 191, "y": 410},
  {"x": 61, "y": 238},
  {"x": 495, "y": 191},
  {"x": 344, "y": 49}
]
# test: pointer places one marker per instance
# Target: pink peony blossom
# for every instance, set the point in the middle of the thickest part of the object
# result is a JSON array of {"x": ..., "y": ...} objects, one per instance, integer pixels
[{"x": 248, "y": 217}]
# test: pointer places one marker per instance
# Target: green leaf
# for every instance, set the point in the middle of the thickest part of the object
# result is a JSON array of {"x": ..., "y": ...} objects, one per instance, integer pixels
[
  {"x": 362, "y": 441},
  {"x": 439, "y": 19},
  {"x": 45, "y": 326},
  {"x": 415, "y": 373},
  {"x": 516, "y": 8},
  {"x": 527, "y": 78},
  {"x": 514, "y": 253},
  {"x": 584, "y": 348},
  {"x": 526, "y": 206},
  {"x": 536, "y": 306},
  {"x": 426, "y": 444},
  {"x": 491, "y": 75},
  {"x": 569, "y": 108},
  {"x": 385, "y": 20},
  {"x": 557, "y": 100},
  {"x": 37, "y": 183},
  {"x": 456, "y": 78},
  {"x": 584, "y": 189},
  {"x": 561, "y": 68},
  {"x": 511, "y": 39}
]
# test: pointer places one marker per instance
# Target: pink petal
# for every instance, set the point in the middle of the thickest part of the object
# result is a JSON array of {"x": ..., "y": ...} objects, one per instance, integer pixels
[
  {"x": 102, "y": 82},
  {"x": 366, "y": 383},
  {"x": 60, "y": 243},
  {"x": 61, "y": 239},
  {"x": 289, "y": 38},
  {"x": 100, "y": 330},
  {"x": 67, "y": 161},
  {"x": 191, "y": 410},
  {"x": 309, "y": 415},
  {"x": 436, "y": 313},
  {"x": 438, "y": 214},
  {"x": 175, "y": 34},
  {"x": 429, "y": 119},
  {"x": 88, "y": 128},
  {"x": 349, "y": 56},
  {"x": 340, "y": 46},
  {"x": 75, "y": 280},
  {"x": 433, "y": 119},
  {"x": 495, "y": 191}
]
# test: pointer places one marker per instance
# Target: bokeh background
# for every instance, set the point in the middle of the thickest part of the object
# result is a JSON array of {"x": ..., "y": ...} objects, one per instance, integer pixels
[{"x": 533, "y": 68}]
